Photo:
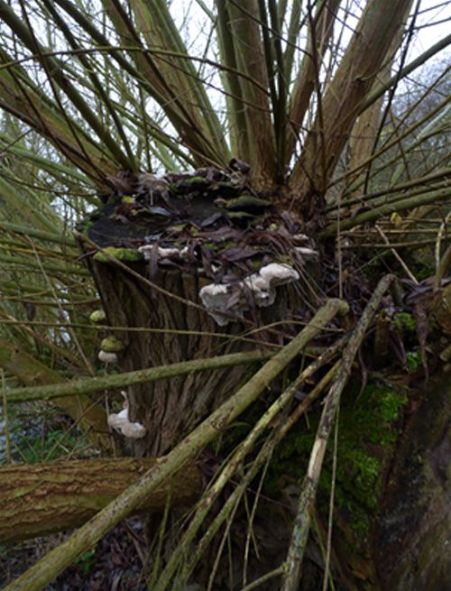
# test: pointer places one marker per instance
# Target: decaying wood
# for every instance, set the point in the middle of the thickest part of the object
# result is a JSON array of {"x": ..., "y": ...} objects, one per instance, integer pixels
[{"x": 39, "y": 499}]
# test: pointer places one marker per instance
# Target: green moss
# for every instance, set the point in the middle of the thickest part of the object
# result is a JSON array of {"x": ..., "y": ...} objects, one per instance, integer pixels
[
  {"x": 111, "y": 344},
  {"x": 405, "y": 322},
  {"x": 245, "y": 201},
  {"x": 240, "y": 215},
  {"x": 123, "y": 254},
  {"x": 413, "y": 360},
  {"x": 368, "y": 431},
  {"x": 127, "y": 199},
  {"x": 194, "y": 181},
  {"x": 97, "y": 316},
  {"x": 284, "y": 260}
]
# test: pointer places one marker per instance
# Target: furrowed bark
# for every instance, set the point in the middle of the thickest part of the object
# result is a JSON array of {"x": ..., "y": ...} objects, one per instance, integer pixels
[
  {"x": 36, "y": 500},
  {"x": 319, "y": 36},
  {"x": 364, "y": 133},
  {"x": 249, "y": 52}
]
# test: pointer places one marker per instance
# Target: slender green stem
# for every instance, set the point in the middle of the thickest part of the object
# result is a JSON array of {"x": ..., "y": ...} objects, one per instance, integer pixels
[{"x": 140, "y": 376}]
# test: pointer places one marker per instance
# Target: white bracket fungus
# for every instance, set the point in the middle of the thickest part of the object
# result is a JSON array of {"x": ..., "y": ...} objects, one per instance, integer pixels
[
  {"x": 307, "y": 254},
  {"x": 107, "y": 356},
  {"x": 224, "y": 302},
  {"x": 121, "y": 423},
  {"x": 162, "y": 253}
]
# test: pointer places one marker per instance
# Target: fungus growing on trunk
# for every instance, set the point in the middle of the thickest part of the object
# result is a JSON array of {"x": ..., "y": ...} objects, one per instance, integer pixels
[
  {"x": 177, "y": 259},
  {"x": 121, "y": 422},
  {"x": 226, "y": 302}
]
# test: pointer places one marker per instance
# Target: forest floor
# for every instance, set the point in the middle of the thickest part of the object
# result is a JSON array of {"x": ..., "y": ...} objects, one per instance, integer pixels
[{"x": 115, "y": 564}]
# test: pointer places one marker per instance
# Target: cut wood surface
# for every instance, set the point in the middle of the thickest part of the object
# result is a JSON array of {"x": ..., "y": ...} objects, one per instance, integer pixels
[{"x": 39, "y": 499}]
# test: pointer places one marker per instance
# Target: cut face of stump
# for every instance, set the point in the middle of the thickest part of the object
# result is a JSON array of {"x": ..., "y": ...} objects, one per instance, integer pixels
[{"x": 194, "y": 273}]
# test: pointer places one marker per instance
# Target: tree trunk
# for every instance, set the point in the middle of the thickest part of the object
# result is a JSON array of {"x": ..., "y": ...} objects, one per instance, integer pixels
[
  {"x": 411, "y": 538},
  {"x": 170, "y": 408},
  {"x": 351, "y": 83},
  {"x": 40, "y": 499}
]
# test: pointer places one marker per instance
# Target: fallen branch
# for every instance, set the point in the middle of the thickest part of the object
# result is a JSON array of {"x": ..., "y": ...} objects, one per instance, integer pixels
[
  {"x": 51, "y": 565},
  {"x": 140, "y": 376},
  {"x": 39, "y": 499}
]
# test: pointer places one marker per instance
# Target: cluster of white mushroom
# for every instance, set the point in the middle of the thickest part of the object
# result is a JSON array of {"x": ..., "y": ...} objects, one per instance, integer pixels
[
  {"x": 121, "y": 422},
  {"x": 109, "y": 349},
  {"x": 226, "y": 302}
]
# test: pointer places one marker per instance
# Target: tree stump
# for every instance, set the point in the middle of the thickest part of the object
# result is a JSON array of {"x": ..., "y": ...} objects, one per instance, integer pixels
[
  {"x": 170, "y": 408},
  {"x": 172, "y": 239}
]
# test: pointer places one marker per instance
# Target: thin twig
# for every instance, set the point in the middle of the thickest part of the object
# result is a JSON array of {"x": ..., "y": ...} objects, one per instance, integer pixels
[{"x": 7, "y": 436}]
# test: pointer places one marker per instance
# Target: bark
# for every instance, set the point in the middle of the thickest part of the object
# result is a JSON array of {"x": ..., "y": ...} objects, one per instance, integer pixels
[
  {"x": 170, "y": 408},
  {"x": 364, "y": 134},
  {"x": 321, "y": 28},
  {"x": 257, "y": 141},
  {"x": 411, "y": 538},
  {"x": 340, "y": 105},
  {"x": 36, "y": 500}
]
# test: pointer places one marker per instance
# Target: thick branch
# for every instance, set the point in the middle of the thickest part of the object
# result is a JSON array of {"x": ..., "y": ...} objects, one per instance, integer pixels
[
  {"x": 44, "y": 498},
  {"x": 321, "y": 28},
  {"x": 353, "y": 80},
  {"x": 247, "y": 46}
]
